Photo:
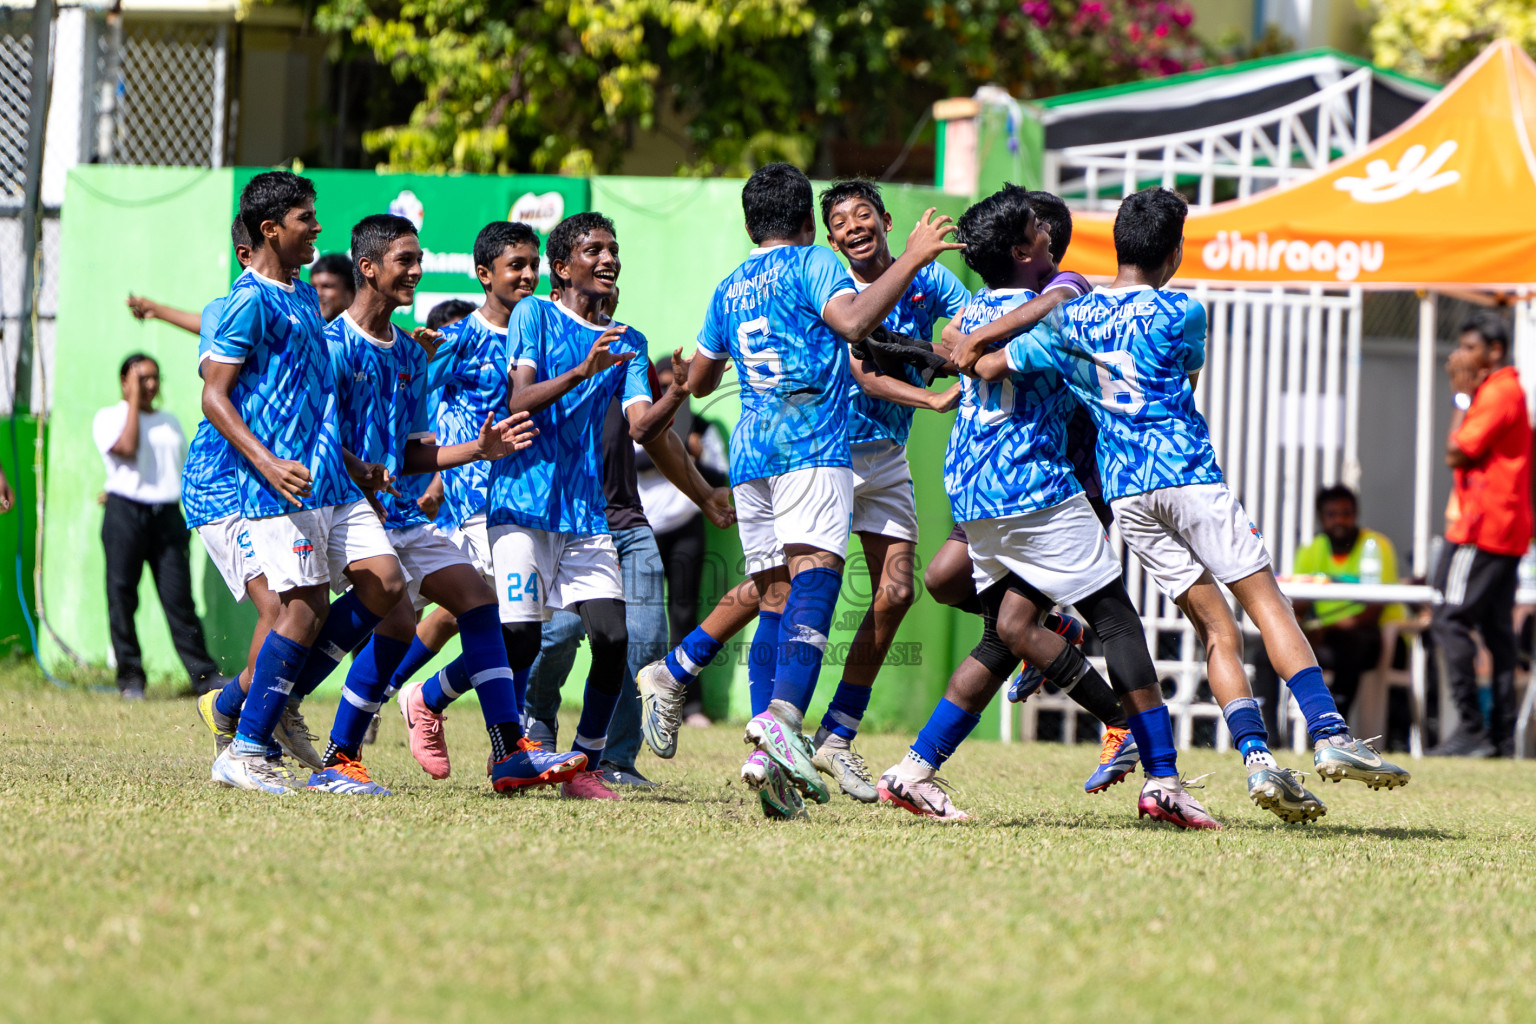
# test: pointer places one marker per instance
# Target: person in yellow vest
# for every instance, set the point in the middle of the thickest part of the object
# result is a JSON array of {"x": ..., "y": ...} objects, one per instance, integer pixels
[{"x": 1346, "y": 634}]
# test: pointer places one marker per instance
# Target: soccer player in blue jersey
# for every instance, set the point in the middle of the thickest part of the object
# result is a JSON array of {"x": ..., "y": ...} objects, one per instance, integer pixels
[
  {"x": 307, "y": 520},
  {"x": 784, "y": 318},
  {"x": 471, "y": 370},
  {"x": 1132, "y": 354},
  {"x": 1034, "y": 539},
  {"x": 381, "y": 374}
]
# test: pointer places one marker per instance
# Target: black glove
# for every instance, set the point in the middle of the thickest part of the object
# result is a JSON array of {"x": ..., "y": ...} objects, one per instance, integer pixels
[{"x": 890, "y": 351}]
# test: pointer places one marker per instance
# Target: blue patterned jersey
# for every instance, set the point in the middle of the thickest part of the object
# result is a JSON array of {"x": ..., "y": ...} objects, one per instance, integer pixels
[
  {"x": 208, "y": 488},
  {"x": 381, "y": 402},
  {"x": 285, "y": 393},
  {"x": 1008, "y": 448},
  {"x": 412, "y": 487},
  {"x": 556, "y": 484},
  {"x": 1127, "y": 354},
  {"x": 935, "y": 294},
  {"x": 793, "y": 368},
  {"x": 470, "y": 369}
]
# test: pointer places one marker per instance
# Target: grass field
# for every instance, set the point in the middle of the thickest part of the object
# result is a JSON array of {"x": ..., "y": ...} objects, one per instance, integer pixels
[{"x": 134, "y": 889}]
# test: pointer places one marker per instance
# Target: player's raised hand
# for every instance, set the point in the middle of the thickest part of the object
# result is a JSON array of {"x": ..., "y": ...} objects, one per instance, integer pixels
[
  {"x": 718, "y": 509},
  {"x": 289, "y": 479},
  {"x": 428, "y": 339},
  {"x": 601, "y": 356},
  {"x": 929, "y": 237},
  {"x": 512, "y": 434},
  {"x": 142, "y": 308},
  {"x": 680, "y": 368}
]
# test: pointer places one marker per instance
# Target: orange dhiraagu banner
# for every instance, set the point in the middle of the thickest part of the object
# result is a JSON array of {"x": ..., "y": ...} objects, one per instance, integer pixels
[{"x": 1447, "y": 199}]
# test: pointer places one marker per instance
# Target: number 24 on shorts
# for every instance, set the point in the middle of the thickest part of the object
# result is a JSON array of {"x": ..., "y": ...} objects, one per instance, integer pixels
[{"x": 517, "y": 587}]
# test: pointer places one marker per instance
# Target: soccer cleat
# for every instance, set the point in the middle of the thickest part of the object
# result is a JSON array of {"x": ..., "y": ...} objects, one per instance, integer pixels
[
  {"x": 346, "y": 776},
  {"x": 587, "y": 786},
  {"x": 222, "y": 726},
  {"x": 1029, "y": 680},
  {"x": 781, "y": 800},
  {"x": 1117, "y": 759},
  {"x": 424, "y": 731},
  {"x": 790, "y": 751},
  {"x": 926, "y": 799},
  {"x": 661, "y": 708},
  {"x": 279, "y": 765},
  {"x": 613, "y": 775},
  {"x": 241, "y": 771},
  {"x": 293, "y": 735},
  {"x": 1358, "y": 760},
  {"x": 1168, "y": 800},
  {"x": 846, "y": 767},
  {"x": 531, "y": 765},
  {"x": 1280, "y": 790}
]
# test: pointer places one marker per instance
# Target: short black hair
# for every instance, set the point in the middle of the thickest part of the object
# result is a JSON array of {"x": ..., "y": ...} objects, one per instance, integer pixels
[
  {"x": 132, "y": 361},
  {"x": 449, "y": 311},
  {"x": 563, "y": 239},
  {"x": 1491, "y": 327},
  {"x": 371, "y": 239},
  {"x": 337, "y": 263},
  {"x": 500, "y": 235},
  {"x": 776, "y": 201},
  {"x": 852, "y": 188},
  {"x": 1149, "y": 227},
  {"x": 1050, "y": 209},
  {"x": 238, "y": 236},
  {"x": 269, "y": 196},
  {"x": 991, "y": 228},
  {"x": 1338, "y": 492}
]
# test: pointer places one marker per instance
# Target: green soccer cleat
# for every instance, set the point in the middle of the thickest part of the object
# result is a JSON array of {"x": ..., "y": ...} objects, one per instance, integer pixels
[
  {"x": 1280, "y": 791},
  {"x": 844, "y": 765},
  {"x": 1358, "y": 760},
  {"x": 781, "y": 800},
  {"x": 790, "y": 751},
  {"x": 222, "y": 726}
]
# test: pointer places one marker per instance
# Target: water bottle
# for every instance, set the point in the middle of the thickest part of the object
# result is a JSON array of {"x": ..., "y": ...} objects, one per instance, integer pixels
[{"x": 1370, "y": 561}]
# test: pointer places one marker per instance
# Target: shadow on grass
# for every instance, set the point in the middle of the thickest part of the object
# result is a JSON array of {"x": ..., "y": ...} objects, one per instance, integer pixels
[{"x": 1314, "y": 831}]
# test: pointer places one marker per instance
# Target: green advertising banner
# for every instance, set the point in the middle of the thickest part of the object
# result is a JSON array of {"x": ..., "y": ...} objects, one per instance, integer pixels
[{"x": 448, "y": 211}]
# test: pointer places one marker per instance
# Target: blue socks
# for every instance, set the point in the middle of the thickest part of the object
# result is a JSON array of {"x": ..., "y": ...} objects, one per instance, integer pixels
[
  {"x": 229, "y": 700},
  {"x": 592, "y": 730},
  {"x": 445, "y": 687},
  {"x": 761, "y": 657},
  {"x": 417, "y": 656},
  {"x": 846, "y": 710},
  {"x": 947, "y": 728},
  {"x": 689, "y": 658},
  {"x": 1153, "y": 729},
  {"x": 347, "y": 624},
  {"x": 803, "y": 634},
  {"x": 1246, "y": 726},
  {"x": 485, "y": 662},
  {"x": 1322, "y": 714},
  {"x": 277, "y": 666},
  {"x": 363, "y": 694}
]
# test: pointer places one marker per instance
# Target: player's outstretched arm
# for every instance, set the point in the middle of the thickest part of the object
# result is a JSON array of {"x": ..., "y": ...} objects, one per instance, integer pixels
[
  {"x": 669, "y": 455},
  {"x": 496, "y": 441},
  {"x": 289, "y": 479},
  {"x": 993, "y": 366},
  {"x": 898, "y": 391},
  {"x": 855, "y": 315},
  {"x": 531, "y": 395},
  {"x": 149, "y": 309},
  {"x": 658, "y": 416},
  {"x": 970, "y": 347}
]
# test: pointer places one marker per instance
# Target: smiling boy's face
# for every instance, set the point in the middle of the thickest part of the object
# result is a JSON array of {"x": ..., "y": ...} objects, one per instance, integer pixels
[{"x": 858, "y": 230}]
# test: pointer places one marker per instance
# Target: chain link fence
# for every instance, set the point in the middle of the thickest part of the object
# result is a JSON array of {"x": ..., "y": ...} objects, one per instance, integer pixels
[{"x": 173, "y": 107}]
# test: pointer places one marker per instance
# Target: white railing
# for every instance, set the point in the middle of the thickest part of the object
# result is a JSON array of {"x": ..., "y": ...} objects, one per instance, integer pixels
[
  {"x": 1274, "y": 148},
  {"x": 1281, "y": 393}
]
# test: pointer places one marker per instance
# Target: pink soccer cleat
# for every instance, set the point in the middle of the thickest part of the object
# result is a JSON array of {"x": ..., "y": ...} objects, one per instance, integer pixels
[
  {"x": 587, "y": 785},
  {"x": 1168, "y": 800},
  {"x": 425, "y": 729}
]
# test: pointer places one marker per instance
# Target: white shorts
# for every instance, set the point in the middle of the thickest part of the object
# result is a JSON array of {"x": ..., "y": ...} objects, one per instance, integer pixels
[
  {"x": 1061, "y": 551},
  {"x": 807, "y": 506},
  {"x": 882, "y": 490},
  {"x": 538, "y": 571},
  {"x": 1180, "y": 532},
  {"x": 423, "y": 550},
  {"x": 315, "y": 546},
  {"x": 228, "y": 544}
]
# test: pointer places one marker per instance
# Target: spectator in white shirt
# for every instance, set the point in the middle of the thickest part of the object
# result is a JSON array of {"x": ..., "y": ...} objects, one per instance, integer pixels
[{"x": 143, "y": 449}]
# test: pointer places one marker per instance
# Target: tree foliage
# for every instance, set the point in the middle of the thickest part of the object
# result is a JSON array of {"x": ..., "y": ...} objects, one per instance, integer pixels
[
  {"x": 563, "y": 85},
  {"x": 1437, "y": 38}
]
